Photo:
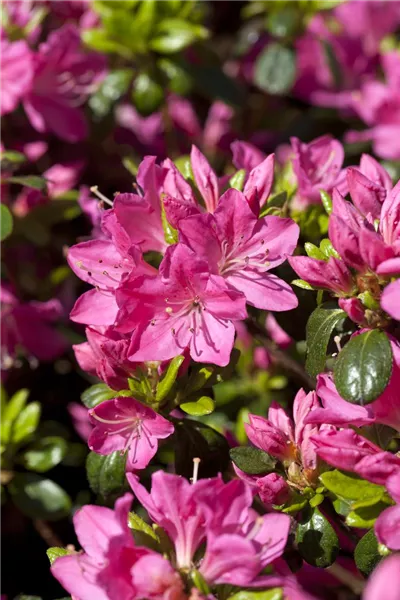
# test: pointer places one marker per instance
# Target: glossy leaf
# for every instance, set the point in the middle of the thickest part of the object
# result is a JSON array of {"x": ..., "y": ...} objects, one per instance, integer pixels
[
  {"x": 252, "y": 461},
  {"x": 26, "y": 423},
  {"x": 366, "y": 553},
  {"x": 199, "y": 408},
  {"x": 316, "y": 539},
  {"x": 320, "y": 326},
  {"x": 39, "y": 498},
  {"x": 175, "y": 34},
  {"x": 106, "y": 474},
  {"x": 45, "y": 454},
  {"x": 168, "y": 379},
  {"x": 6, "y": 222},
  {"x": 97, "y": 393},
  {"x": 147, "y": 94},
  {"x": 364, "y": 367},
  {"x": 275, "y": 69},
  {"x": 351, "y": 487},
  {"x": 365, "y": 516},
  {"x": 301, "y": 283},
  {"x": 136, "y": 523}
]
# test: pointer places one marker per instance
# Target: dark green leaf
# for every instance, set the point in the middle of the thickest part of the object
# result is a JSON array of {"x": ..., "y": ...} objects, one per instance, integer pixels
[
  {"x": 252, "y": 461},
  {"x": 316, "y": 539},
  {"x": 351, "y": 487},
  {"x": 31, "y": 181},
  {"x": 97, "y": 393},
  {"x": 319, "y": 329},
  {"x": 45, "y": 454},
  {"x": 275, "y": 69},
  {"x": 6, "y": 222},
  {"x": 199, "y": 408},
  {"x": 113, "y": 87},
  {"x": 193, "y": 439},
  {"x": 106, "y": 474},
  {"x": 39, "y": 498},
  {"x": 147, "y": 94},
  {"x": 366, "y": 553},
  {"x": 363, "y": 368}
]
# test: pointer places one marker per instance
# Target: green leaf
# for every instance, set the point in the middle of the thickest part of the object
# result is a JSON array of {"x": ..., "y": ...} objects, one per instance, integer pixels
[
  {"x": 173, "y": 35},
  {"x": 10, "y": 412},
  {"x": 252, "y": 461},
  {"x": 170, "y": 233},
  {"x": 364, "y": 367},
  {"x": 39, "y": 498},
  {"x": 304, "y": 285},
  {"x": 106, "y": 474},
  {"x": 295, "y": 504},
  {"x": 98, "y": 39},
  {"x": 11, "y": 157},
  {"x": 313, "y": 251},
  {"x": 202, "y": 406},
  {"x": 351, "y": 487},
  {"x": 365, "y": 516},
  {"x": 284, "y": 22},
  {"x": 316, "y": 500},
  {"x": 55, "y": 552},
  {"x": 147, "y": 94},
  {"x": 164, "y": 386},
  {"x": 366, "y": 553},
  {"x": 26, "y": 422},
  {"x": 193, "y": 439},
  {"x": 6, "y": 222},
  {"x": 210, "y": 81},
  {"x": 45, "y": 454},
  {"x": 97, "y": 393},
  {"x": 198, "y": 379},
  {"x": 112, "y": 88},
  {"x": 271, "y": 594},
  {"x": 320, "y": 326},
  {"x": 326, "y": 201},
  {"x": 327, "y": 249},
  {"x": 136, "y": 523},
  {"x": 316, "y": 539},
  {"x": 237, "y": 180},
  {"x": 31, "y": 181},
  {"x": 275, "y": 69}
]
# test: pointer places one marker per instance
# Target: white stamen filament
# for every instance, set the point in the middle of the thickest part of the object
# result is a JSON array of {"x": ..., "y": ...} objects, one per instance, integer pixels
[
  {"x": 95, "y": 190},
  {"x": 196, "y": 464}
]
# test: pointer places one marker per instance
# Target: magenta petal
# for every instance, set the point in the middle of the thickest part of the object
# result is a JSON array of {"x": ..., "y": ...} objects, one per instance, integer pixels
[
  {"x": 390, "y": 300},
  {"x": 387, "y": 528}
]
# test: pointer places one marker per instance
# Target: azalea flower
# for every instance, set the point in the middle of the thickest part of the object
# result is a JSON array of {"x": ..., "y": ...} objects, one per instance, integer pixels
[
  {"x": 219, "y": 514},
  {"x": 387, "y": 525},
  {"x": 127, "y": 425},
  {"x": 16, "y": 73},
  {"x": 184, "y": 306},
  {"x": 242, "y": 249},
  {"x": 317, "y": 166},
  {"x": 387, "y": 571},
  {"x": 63, "y": 77}
]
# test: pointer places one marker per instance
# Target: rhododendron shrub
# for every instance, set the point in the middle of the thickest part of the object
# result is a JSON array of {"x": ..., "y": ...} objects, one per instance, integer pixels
[{"x": 200, "y": 223}]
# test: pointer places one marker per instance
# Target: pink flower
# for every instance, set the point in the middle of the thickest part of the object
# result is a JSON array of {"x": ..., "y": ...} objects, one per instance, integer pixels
[
  {"x": 16, "y": 74},
  {"x": 336, "y": 411},
  {"x": 242, "y": 249},
  {"x": 288, "y": 440},
  {"x": 221, "y": 515},
  {"x": 105, "y": 356},
  {"x": 104, "y": 264},
  {"x": 185, "y": 306},
  {"x": 332, "y": 274},
  {"x": 246, "y": 156},
  {"x": 390, "y": 300},
  {"x": 125, "y": 424},
  {"x": 63, "y": 78},
  {"x": 378, "y": 105},
  {"x": 387, "y": 526},
  {"x": 81, "y": 420},
  {"x": 31, "y": 327},
  {"x": 111, "y": 566},
  {"x": 317, "y": 166},
  {"x": 140, "y": 215},
  {"x": 385, "y": 580},
  {"x": 343, "y": 449}
]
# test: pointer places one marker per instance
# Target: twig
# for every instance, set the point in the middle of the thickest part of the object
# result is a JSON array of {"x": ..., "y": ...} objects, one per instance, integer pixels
[
  {"x": 287, "y": 362},
  {"x": 344, "y": 576},
  {"x": 47, "y": 534}
]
